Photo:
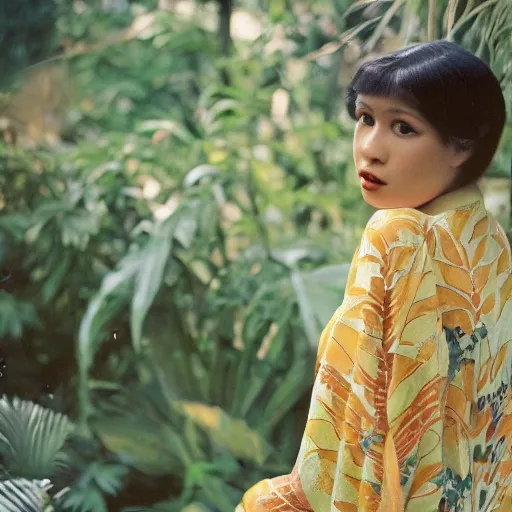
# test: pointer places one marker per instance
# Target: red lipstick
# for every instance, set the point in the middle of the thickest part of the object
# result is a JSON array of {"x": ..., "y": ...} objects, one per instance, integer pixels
[{"x": 369, "y": 181}]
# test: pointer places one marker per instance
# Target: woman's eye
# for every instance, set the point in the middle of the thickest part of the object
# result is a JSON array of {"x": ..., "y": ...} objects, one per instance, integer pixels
[
  {"x": 406, "y": 127},
  {"x": 363, "y": 115}
]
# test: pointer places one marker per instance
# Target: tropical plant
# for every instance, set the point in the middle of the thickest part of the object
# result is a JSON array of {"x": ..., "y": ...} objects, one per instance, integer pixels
[
  {"x": 31, "y": 439},
  {"x": 24, "y": 495},
  {"x": 172, "y": 258},
  {"x": 31, "y": 450}
]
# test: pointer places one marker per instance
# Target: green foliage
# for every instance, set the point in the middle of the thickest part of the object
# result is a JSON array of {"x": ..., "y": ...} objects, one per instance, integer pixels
[
  {"x": 31, "y": 448},
  {"x": 172, "y": 261},
  {"x": 26, "y": 495},
  {"x": 97, "y": 480},
  {"x": 14, "y": 315},
  {"x": 31, "y": 439}
]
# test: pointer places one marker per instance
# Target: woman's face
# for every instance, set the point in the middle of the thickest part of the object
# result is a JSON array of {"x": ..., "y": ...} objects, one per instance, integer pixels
[{"x": 396, "y": 144}]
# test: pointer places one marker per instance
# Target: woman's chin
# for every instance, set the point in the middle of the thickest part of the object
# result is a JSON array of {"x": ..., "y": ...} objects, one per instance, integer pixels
[
  {"x": 370, "y": 199},
  {"x": 384, "y": 201}
]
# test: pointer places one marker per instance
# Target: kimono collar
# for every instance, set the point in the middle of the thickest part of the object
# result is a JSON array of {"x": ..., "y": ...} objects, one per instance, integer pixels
[{"x": 463, "y": 196}]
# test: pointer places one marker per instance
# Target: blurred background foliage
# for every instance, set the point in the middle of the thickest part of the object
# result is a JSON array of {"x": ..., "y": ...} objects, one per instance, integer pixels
[{"x": 179, "y": 209}]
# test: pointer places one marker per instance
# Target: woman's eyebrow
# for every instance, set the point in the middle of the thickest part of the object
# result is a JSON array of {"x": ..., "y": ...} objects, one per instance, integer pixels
[{"x": 393, "y": 110}]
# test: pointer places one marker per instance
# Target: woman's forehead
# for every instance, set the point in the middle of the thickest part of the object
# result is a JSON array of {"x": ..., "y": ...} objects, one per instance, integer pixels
[
  {"x": 387, "y": 104},
  {"x": 383, "y": 102}
]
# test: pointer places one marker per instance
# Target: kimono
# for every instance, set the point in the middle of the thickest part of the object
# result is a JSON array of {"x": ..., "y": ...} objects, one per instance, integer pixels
[{"x": 411, "y": 406}]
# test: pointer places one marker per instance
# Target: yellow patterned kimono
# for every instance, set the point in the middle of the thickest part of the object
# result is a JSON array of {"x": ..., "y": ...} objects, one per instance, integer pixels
[{"x": 411, "y": 407}]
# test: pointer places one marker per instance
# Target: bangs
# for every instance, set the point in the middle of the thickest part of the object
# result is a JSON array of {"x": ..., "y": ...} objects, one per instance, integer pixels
[{"x": 387, "y": 79}]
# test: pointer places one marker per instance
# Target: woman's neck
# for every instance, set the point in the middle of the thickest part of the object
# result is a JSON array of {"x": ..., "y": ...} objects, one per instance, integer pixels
[{"x": 462, "y": 196}]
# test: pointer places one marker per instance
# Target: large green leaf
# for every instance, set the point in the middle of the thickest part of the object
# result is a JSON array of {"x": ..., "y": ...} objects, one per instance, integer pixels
[
  {"x": 32, "y": 438},
  {"x": 227, "y": 432},
  {"x": 149, "y": 277},
  {"x": 310, "y": 321},
  {"x": 151, "y": 448},
  {"x": 469, "y": 17},
  {"x": 92, "y": 321},
  {"x": 319, "y": 293},
  {"x": 325, "y": 287}
]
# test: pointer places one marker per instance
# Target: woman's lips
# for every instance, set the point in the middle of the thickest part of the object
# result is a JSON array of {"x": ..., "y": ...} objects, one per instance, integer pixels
[{"x": 369, "y": 181}]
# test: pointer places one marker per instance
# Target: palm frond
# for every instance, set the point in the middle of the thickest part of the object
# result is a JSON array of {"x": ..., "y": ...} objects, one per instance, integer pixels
[
  {"x": 21, "y": 495},
  {"x": 31, "y": 438}
]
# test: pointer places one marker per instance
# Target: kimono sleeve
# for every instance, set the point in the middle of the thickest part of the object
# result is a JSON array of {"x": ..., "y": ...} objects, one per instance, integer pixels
[{"x": 348, "y": 459}]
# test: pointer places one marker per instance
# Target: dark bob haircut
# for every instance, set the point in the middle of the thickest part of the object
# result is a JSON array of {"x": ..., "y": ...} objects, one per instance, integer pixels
[{"x": 455, "y": 91}]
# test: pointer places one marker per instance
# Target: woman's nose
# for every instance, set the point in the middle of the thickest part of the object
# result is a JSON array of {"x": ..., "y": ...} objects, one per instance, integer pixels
[{"x": 373, "y": 145}]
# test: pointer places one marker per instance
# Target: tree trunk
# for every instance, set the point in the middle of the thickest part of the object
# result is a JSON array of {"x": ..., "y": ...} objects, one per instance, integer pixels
[{"x": 225, "y": 12}]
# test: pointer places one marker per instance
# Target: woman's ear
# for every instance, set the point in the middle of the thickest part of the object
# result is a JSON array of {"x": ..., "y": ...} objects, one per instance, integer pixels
[
  {"x": 461, "y": 157},
  {"x": 461, "y": 151}
]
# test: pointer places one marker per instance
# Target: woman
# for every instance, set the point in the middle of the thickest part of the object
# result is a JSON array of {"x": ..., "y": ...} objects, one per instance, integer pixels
[{"x": 411, "y": 405}]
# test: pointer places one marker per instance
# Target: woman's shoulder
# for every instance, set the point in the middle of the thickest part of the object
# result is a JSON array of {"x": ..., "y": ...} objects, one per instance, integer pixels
[
  {"x": 397, "y": 215},
  {"x": 398, "y": 226}
]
